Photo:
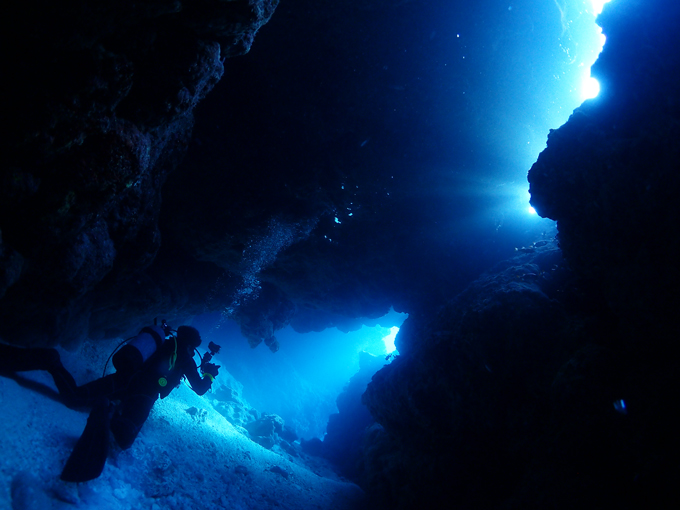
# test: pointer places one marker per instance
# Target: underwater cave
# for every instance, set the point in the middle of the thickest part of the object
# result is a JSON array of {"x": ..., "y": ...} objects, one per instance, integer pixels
[{"x": 395, "y": 254}]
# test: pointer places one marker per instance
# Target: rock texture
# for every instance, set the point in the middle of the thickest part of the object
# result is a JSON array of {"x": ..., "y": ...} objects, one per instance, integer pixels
[
  {"x": 320, "y": 184},
  {"x": 610, "y": 177},
  {"x": 293, "y": 197},
  {"x": 465, "y": 402},
  {"x": 346, "y": 429},
  {"x": 546, "y": 383},
  {"x": 550, "y": 382},
  {"x": 99, "y": 109},
  {"x": 510, "y": 397}
]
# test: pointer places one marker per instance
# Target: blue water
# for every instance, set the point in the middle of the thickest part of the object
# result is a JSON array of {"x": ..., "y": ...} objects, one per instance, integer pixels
[
  {"x": 448, "y": 103},
  {"x": 301, "y": 381}
]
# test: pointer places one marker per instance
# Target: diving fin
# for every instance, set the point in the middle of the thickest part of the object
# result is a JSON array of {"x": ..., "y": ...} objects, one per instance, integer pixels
[{"x": 89, "y": 455}]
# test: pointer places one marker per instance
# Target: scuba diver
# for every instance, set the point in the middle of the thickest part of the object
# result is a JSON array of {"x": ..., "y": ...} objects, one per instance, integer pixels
[{"x": 149, "y": 366}]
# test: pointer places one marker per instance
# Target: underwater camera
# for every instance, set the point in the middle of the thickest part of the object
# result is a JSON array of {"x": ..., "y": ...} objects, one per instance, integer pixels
[
  {"x": 214, "y": 349},
  {"x": 207, "y": 367}
]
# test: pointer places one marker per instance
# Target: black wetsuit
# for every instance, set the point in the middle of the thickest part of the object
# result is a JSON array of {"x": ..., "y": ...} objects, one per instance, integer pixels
[{"x": 136, "y": 391}]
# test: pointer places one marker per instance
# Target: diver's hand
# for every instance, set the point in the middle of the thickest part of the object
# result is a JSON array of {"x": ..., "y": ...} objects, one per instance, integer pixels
[{"x": 210, "y": 368}]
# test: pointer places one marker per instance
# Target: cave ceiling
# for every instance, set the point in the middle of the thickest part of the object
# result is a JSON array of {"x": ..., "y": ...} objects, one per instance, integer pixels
[{"x": 164, "y": 161}]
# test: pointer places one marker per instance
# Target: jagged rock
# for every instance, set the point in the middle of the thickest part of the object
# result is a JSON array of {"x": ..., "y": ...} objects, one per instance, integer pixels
[
  {"x": 267, "y": 425},
  {"x": 470, "y": 396},
  {"x": 288, "y": 448},
  {"x": 265, "y": 431},
  {"x": 381, "y": 251},
  {"x": 235, "y": 412},
  {"x": 103, "y": 102},
  {"x": 345, "y": 431},
  {"x": 229, "y": 401},
  {"x": 511, "y": 395},
  {"x": 288, "y": 434},
  {"x": 259, "y": 319},
  {"x": 609, "y": 175},
  {"x": 102, "y": 99}
]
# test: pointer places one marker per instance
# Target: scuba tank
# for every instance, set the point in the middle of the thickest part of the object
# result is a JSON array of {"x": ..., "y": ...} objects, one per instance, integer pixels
[{"x": 133, "y": 354}]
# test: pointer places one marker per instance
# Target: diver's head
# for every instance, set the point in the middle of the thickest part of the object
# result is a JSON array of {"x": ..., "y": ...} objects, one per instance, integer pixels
[{"x": 189, "y": 336}]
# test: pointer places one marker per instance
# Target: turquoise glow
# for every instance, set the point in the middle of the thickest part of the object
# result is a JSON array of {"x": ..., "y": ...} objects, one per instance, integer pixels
[
  {"x": 389, "y": 340},
  {"x": 598, "y": 5}
]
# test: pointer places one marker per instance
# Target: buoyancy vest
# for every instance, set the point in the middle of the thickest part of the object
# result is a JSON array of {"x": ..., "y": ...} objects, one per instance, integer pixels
[
  {"x": 132, "y": 356},
  {"x": 164, "y": 370}
]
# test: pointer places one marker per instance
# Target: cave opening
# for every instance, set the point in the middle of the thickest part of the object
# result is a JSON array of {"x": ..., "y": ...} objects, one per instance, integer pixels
[
  {"x": 303, "y": 379},
  {"x": 383, "y": 163}
]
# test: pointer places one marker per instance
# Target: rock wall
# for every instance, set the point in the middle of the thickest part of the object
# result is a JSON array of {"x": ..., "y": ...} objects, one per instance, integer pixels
[
  {"x": 517, "y": 394},
  {"x": 346, "y": 429},
  {"x": 465, "y": 402},
  {"x": 318, "y": 185},
  {"x": 99, "y": 110},
  {"x": 545, "y": 384},
  {"x": 333, "y": 169},
  {"x": 610, "y": 177}
]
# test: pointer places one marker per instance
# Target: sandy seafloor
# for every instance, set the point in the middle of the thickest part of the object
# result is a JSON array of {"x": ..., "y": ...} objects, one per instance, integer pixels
[{"x": 181, "y": 460}]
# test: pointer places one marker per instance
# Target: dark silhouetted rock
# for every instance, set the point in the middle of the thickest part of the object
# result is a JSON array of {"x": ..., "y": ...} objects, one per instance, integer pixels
[
  {"x": 463, "y": 407},
  {"x": 100, "y": 110},
  {"x": 342, "y": 443},
  {"x": 546, "y": 384},
  {"x": 610, "y": 177}
]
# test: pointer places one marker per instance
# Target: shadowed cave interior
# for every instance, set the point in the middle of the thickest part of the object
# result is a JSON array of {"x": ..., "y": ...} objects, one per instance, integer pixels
[{"x": 489, "y": 185}]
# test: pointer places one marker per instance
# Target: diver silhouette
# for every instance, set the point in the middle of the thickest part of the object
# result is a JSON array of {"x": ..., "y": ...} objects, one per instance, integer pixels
[{"x": 149, "y": 366}]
